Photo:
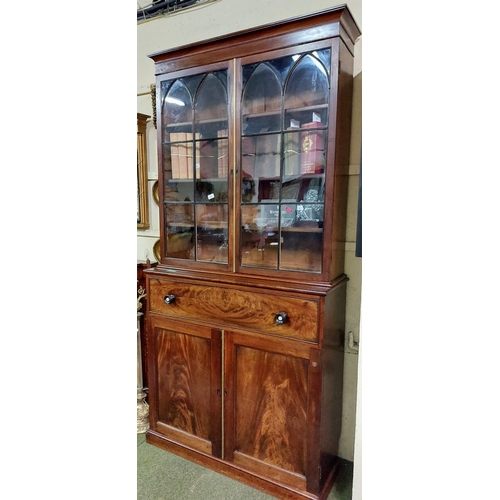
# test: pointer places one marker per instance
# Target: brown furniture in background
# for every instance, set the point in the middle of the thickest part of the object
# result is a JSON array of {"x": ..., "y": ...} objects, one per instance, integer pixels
[
  {"x": 246, "y": 308},
  {"x": 141, "y": 282}
]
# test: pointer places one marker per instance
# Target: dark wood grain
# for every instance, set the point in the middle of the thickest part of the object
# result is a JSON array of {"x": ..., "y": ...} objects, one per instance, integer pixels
[
  {"x": 183, "y": 365},
  {"x": 271, "y": 408},
  {"x": 185, "y": 396},
  {"x": 237, "y": 308}
]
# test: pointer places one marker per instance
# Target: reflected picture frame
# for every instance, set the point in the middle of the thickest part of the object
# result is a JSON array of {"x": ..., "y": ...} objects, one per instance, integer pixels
[{"x": 142, "y": 173}]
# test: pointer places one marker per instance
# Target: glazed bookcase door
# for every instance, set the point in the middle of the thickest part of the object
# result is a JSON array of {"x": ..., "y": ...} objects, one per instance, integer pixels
[
  {"x": 283, "y": 154},
  {"x": 195, "y": 170},
  {"x": 186, "y": 360}
]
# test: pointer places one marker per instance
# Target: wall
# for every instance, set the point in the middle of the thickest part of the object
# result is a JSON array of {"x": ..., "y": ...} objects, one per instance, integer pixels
[{"x": 215, "y": 19}]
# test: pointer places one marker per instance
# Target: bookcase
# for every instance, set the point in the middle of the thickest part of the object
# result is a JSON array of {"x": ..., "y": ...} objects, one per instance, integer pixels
[{"x": 246, "y": 308}]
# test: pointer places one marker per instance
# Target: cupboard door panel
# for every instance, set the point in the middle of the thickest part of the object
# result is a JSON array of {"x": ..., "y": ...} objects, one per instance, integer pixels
[
  {"x": 271, "y": 413},
  {"x": 188, "y": 405},
  {"x": 182, "y": 360},
  {"x": 267, "y": 432}
]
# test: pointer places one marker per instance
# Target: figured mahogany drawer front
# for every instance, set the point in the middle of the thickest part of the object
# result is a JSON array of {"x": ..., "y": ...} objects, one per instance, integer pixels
[{"x": 279, "y": 315}]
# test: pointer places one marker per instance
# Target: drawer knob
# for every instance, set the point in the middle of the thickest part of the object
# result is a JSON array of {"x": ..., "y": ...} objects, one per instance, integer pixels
[
  {"x": 169, "y": 299},
  {"x": 281, "y": 318}
]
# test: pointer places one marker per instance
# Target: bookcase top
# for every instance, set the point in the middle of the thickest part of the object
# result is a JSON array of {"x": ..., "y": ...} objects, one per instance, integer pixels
[{"x": 335, "y": 21}]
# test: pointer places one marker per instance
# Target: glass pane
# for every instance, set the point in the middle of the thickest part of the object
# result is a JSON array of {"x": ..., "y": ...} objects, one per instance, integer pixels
[
  {"x": 248, "y": 164},
  {"x": 308, "y": 84},
  {"x": 291, "y": 154},
  {"x": 324, "y": 56},
  {"x": 301, "y": 250},
  {"x": 281, "y": 66},
  {"x": 260, "y": 163},
  {"x": 177, "y": 188},
  {"x": 207, "y": 154},
  {"x": 309, "y": 212},
  {"x": 267, "y": 156},
  {"x": 261, "y": 102},
  {"x": 222, "y": 156},
  {"x": 192, "y": 82},
  {"x": 178, "y": 191},
  {"x": 167, "y": 162},
  {"x": 302, "y": 234},
  {"x": 177, "y": 111},
  {"x": 214, "y": 191},
  {"x": 211, "y": 108},
  {"x": 212, "y": 236},
  {"x": 180, "y": 162},
  {"x": 259, "y": 237},
  {"x": 301, "y": 228},
  {"x": 179, "y": 231}
]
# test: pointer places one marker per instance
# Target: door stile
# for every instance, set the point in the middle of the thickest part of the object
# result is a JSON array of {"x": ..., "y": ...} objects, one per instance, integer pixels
[
  {"x": 216, "y": 399},
  {"x": 152, "y": 377},
  {"x": 235, "y": 164},
  {"x": 229, "y": 401},
  {"x": 314, "y": 411}
]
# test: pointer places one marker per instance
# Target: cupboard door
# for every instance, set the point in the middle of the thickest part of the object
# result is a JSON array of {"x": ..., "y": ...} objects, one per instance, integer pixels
[
  {"x": 185, "y": 398},
  {"x": 284, "y": 138},
  {"x": 269, "y": 408}
]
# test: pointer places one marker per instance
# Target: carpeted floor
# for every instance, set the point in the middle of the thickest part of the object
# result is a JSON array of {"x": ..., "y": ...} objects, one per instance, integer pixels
[{"x": 164, "y": 476}]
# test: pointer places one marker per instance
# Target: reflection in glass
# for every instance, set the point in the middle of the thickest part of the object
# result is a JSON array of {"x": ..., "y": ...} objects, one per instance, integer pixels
[
  {"x": 301, "y": 251},
  {"x": 292, "y": 153},
  {"x": 212, "y": 158},
  {"x": 261, "y": 102},
  {"x": 177, "y": 110},
  {"x": 212, "y": 192},
  {"x": 192, "y": 82},
  {"x": 259, "y": 238},
  {"x": 212, "y": 233},
  {"x": 211, "y": 108},
  {"x": 179, "y": 231},
  {"x": 267, "y": 155},
  {"x": 324, "y": 56},
  {"x": 307, "y": 84}
]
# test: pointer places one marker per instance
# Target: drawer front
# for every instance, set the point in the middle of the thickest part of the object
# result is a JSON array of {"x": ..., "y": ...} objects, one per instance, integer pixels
[{"x": 230, "y": 307}]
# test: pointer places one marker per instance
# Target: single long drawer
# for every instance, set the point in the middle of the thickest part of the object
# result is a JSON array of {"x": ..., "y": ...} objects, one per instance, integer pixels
[{"x": 229, "y": 307}]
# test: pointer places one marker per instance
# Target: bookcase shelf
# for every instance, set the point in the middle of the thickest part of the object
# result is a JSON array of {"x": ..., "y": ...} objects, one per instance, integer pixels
[
  {"x": 185, "y": 181},
  {"x": 202, "y": 224},
  {"x": 303, "y": 109},
  {"x": 255, "y": 229},
  {"x": 189, "y": 124}
]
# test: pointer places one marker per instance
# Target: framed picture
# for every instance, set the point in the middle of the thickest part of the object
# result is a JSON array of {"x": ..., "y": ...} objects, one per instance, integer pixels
[{"x": 142, "y": 174}]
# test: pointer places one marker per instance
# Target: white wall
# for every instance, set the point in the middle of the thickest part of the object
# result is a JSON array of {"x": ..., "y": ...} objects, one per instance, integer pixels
[{"x": 225, "y": 16}]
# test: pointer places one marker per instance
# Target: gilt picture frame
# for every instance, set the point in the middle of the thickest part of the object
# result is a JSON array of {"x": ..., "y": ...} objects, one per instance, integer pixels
[{"x": 142, "y": 173}]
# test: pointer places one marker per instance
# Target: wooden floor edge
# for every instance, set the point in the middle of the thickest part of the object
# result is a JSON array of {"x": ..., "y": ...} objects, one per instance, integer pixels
[{"x": 277, "y": 490}]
